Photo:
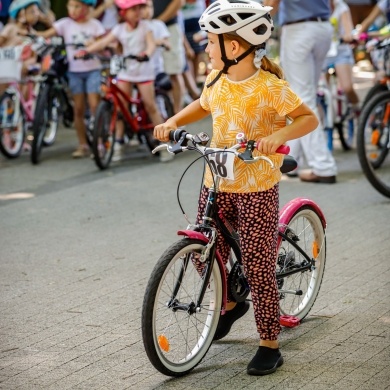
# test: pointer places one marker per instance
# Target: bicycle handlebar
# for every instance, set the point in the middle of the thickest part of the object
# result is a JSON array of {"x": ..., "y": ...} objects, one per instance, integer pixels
[{"x": 199, "y": 141}]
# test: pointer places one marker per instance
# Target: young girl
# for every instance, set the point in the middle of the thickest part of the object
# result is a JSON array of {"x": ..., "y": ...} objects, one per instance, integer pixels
[
  {"x": 24, "y": 15},
  {"x": 341, "y": 55},
  {"x": 245, "y": 92},
  {"x": 136, "y": 37},
  {"x": 84, "y": 76}
]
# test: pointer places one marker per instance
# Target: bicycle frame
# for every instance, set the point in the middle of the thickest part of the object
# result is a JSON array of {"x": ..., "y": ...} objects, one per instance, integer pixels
[
  {"x": 113, "y": 93},
  {"x": 213, "y": 214}
]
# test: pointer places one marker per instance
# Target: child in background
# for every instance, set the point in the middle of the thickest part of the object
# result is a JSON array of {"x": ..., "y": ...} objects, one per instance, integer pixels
[
  {"x": 24, "y": 15},
  {"x": 160, "y": 35},
  {"x": 136, "y": 37},
  {"x": 245, "y": 92},
  {"x": 84, "y": 76},
  {"x": 341, "y": 54}
]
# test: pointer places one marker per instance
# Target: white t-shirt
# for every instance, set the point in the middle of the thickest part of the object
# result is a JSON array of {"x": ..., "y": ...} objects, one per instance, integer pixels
[
  {"x": 75, "y": 33},
  {"x": 134, "y": 42},
  {"x": 384, "y": 5},
  {"x": 160, "y": 31}
]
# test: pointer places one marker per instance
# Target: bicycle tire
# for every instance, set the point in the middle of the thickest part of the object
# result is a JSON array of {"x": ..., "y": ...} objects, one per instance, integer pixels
[
  {"x": 45, "y": 123},
  {"x": 177, "y": 340},
  {"x": 103, "y": 134},
  {"x": 373, "y": 91},
  {"x": 346, "y": 131},
  {"x": 373, "y": 142},
  {"x": 11, "y": 138},
  {"x": 299, "y": 291}
]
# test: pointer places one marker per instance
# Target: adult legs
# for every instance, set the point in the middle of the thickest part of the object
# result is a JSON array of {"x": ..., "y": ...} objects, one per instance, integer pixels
[{"x": 303, "y": 50}]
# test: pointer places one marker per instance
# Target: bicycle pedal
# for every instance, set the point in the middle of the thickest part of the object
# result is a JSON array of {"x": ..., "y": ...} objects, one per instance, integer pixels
[{"x": 289, "y": 321}]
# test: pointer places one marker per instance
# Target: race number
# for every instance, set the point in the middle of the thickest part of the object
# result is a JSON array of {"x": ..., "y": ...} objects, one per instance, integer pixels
[{"x": 221, "y": 163}]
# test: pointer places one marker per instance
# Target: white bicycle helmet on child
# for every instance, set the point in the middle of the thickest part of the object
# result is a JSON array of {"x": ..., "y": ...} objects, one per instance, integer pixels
[{"x": 245, "y": 18}]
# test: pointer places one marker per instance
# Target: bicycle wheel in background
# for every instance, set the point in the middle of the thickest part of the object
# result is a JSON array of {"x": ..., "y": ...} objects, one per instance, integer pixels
[
  {"x": 103, "y": 135},
  {"x": 45, "y": 124},
  {"x": 12, "y": 125},
  {"x": 298, "y": 291},
  {"x": 373, "y": 142},
  {"x": 346, "y": 122},
  {"x": 176, "y": 334}
]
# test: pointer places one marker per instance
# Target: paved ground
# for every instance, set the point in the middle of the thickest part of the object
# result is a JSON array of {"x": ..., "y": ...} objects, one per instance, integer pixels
[{"x": 77, "y": 250}]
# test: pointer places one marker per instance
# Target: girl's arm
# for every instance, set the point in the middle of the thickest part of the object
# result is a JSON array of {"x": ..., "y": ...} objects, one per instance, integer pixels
[
  {"x": 47, "y": 33},
  {"x": 303, "y": 122},
  {"x": 192, "y": 113},
  {"x": 369, "y": 20},
  {"x": 150, "y": 44},
  {"x": 346, "y": 22},
  {"x": 101, "y": 43}
]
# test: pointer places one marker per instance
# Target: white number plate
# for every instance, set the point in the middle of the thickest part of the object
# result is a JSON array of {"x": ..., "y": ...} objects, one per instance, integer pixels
[{"x": 222, "y": 163}]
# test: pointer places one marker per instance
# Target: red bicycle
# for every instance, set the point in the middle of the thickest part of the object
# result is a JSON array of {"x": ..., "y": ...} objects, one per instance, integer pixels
[{"x": 116, "y": 104}]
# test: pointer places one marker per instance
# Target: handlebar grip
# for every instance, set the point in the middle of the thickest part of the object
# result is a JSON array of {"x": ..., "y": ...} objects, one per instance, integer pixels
[
  {"x": 283, "y": 149},
  {"x": 175, "y": 135}
]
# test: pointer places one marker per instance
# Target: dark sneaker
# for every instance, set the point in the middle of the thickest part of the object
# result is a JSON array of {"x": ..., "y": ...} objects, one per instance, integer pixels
[
  {"x": 266, "y": 361},
  {"x": 229, "y": 318}
]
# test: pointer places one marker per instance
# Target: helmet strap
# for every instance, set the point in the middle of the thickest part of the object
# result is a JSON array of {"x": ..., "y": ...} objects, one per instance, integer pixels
[{"x": 228, "y": 63}]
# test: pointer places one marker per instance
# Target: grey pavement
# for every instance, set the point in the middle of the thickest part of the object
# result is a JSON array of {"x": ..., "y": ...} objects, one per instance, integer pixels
[{"x": 77, "y": 246}]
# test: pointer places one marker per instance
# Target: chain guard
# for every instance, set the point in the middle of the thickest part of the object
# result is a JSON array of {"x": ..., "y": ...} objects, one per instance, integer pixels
[{"x": 238, "y": 287}]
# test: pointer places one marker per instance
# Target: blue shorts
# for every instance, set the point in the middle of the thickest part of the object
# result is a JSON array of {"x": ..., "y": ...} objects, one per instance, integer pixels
[
  {"x": 84, "y": 82},
  {"x": 344, "y": 57}
]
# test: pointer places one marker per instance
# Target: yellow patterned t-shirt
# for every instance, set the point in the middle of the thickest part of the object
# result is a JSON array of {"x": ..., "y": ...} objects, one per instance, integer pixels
[{"x": 257, "y": 107}]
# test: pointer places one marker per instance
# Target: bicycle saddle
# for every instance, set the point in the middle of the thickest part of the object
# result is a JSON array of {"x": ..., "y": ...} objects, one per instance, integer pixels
[{"x": 289, "y": 164}]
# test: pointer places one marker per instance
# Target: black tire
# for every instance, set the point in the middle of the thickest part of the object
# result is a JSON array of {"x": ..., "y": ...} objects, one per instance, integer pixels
[
  {"x": 346, "y": 126},
  {"x": 66, "y": 108},
  {"x": 377, "y": 88},
  {"x": 103, "y": 134},
  {"x": 306, "y": 230},
  {"x": 373, "y": 142},
  {"x": 11, "y": 137},
  {"x": 45, "y": 124},
  {"x": 170, "y": 298}
]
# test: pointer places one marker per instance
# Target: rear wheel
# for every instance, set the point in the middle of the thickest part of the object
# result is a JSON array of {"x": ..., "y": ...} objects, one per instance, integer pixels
[
  {"x": 103, "y": 134},
  {"x": 12, "y": 125},
  {"x": 373, "y": 142},
  {"x": 303, "y": 234},
  {"x": 45, "y": 124},
  {"x": 176, "y": 333}
]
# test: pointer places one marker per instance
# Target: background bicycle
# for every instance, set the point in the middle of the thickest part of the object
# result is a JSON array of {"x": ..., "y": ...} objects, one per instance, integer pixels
[
  {"x": 116, "y": 104},
  {"x": 16, "y": 109},
  {"x": 52, "y": 100},
  {"x": 188, "y": 287}
]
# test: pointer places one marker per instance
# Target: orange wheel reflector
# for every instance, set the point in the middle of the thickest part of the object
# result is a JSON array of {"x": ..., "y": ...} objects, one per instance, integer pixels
[
  {"x": 315, "y": 249},
  {"x": 375, "y": 137},
  {"x": 163, "y": 343},
  {"x": 373, "y": 156}
]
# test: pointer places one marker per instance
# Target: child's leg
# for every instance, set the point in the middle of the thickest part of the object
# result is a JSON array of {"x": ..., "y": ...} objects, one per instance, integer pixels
[
  {"x": 344, "y": 77},
  {"x": 93, "y": 90},
  {"x": 79, "y": 110},
  {"x": 149, "y": 100}
]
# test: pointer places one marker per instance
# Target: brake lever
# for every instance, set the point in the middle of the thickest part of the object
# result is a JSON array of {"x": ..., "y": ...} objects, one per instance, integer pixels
[
  {"x": 247, "y": 156},
  {"x": 162, "y": 147}
]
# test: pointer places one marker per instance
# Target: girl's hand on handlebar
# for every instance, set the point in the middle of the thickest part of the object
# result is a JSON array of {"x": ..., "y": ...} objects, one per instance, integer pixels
[
  {"x": 269, "y": 145},
  {"x": 161, "y": 132}
]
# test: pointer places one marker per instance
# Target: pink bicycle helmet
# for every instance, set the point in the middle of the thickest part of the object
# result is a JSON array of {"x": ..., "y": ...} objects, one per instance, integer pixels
[{"x": 125, "y": 4}]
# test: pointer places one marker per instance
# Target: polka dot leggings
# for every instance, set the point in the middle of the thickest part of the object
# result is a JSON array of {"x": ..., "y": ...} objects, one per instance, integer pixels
[{"x": 254, "y": 216}]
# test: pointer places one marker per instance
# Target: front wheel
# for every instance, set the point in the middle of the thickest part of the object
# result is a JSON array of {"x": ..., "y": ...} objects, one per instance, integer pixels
[
  {"x": 176, "y": 332},
  {"x": 303, "y": 234},
  {"x": 45, "y": 124},
  {"x": 373, "y": 142},
  {"x": 104, "y": 134},
  {"x": 12, "y": 125}
]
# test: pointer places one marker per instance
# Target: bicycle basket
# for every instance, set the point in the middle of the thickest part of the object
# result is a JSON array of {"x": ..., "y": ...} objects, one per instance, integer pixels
[{"x": 11, "y": 64}]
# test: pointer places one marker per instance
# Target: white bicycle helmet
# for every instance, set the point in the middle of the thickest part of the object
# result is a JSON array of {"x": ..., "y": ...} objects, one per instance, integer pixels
[{"x": 245, "y": 18}]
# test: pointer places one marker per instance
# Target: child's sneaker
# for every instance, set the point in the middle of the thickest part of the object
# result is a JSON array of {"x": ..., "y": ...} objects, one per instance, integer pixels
[
  {"x": 119, "y": 151},
  {"x": 81, "y": 152}
]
